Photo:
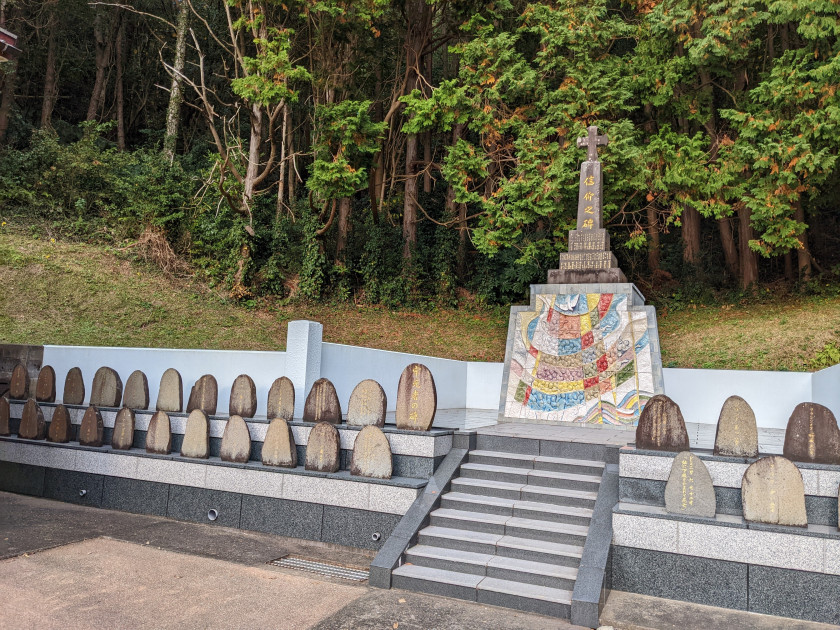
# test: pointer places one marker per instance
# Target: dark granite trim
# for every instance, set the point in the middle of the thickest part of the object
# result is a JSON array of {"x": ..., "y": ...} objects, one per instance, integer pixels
[
  {"x": 417, "y": 517},
  {"x": 22, "y": 478},
  {"x": 590, "y": 592},
  {"x": 685, "y": 578},
  {"x": 798, "y": 594}
]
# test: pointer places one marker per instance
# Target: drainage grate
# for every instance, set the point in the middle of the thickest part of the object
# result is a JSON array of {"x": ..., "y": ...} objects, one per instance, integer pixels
[{"x": 322, "y": 568}]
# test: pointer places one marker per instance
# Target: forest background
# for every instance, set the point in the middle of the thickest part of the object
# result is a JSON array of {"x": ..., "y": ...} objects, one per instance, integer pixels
[{"x": 422, "y": 152}]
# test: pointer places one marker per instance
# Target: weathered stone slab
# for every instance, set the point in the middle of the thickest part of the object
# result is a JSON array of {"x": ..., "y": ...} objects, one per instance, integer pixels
[
  {"x": 61, "y": 428},
  {"x": 371, "y": 454},
  {"x": 106, "y": 390},
  {"x": 589, "y": 240},
  {"x": 322, "y": 403},
  {"x": 136, "y": 391},
  {"x": 123, "y": 437},
  {"x": 32, "y": 423},
  {"x": 236, "y": 441},
  {"x": 204, "y": 395},
  {"x": 323, "y": 449},
  {"x": 196, "y": 442},
  {"x": 74, "y": 388},
  {"x": 279, "y": 446},
  {"x": 159, "y": 434},
  {"x": 170, "y": 392},
  {"x": 661, "y": 426},
  {"x": 812, "y": 435},
  {"x": 281, "y": 399},
  {"x": 367, "y": 405},
  {"x": 92, "y": 429},
  {"x": 45, "y": 387},
  {"x": 243, "y": 397},
  {"x": 689, "y": 490},
  {"x": 416, "y": 398},
  {"x": 5, "y": 415},
  {"x": 19, "y": 385},
  {"x": 737, "y": 433},
  {"x": 772, "y": 492}
]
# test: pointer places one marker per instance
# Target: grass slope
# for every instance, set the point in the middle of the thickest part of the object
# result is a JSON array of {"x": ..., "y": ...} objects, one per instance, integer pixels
[{"x": 82, "y": 294}]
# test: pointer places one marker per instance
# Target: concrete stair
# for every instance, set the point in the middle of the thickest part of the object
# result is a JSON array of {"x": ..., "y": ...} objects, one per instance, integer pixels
[{"x": 510, "y": 532}]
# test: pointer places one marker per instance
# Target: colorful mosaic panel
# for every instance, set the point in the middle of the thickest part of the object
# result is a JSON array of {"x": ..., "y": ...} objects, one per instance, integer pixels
[{"x": 580, "y": 358}]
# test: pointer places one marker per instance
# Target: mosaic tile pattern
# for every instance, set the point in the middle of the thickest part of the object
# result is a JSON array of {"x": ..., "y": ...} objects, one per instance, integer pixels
[{"x": 580, "y": 357}]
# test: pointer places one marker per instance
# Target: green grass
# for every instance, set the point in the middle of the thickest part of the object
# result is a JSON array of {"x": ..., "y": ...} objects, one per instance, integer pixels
[{"x": 82, "y": 294}]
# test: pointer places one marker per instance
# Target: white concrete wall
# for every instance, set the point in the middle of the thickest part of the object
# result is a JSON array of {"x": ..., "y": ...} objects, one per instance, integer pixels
[
  {"x": 460, "y": 384},
  {"x": 225, "y": 365},
  {"x": 347, "y": 366},
  {"x": 772, "y": 395},
  {"x": 825, "y": 388}
]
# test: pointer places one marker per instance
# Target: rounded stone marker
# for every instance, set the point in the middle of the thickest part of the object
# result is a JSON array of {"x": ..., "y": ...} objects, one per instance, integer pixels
[
  {"x": 371, "y": 454},
  {"x": 136, "y": 391},
  {"x": 737, "y": 433},
  {"x": 416, "y": 398},
  {"x": 279, "y": 446},
  {"x": 5, "y": 415},
  {"x": 661, "y": 426},
  {"x": 236, "y": 441},
  {"x": 281, "y": 400},
  {"x": 170, "y": 392},
  {"x": 92, "y": 429},
  {"x": 61, "y": 429},
  {"x": 772, "y": 492},
  {"x": 689, "y": 490},
  {"x": 323, "y": 450},
  {"x": 243, "y": 397},
  {"x": 367, "y": 405},
  {"x": 159, "y": 434},
  {"x": 812, "y": 435},
  {"x": 19, "y": 384},
  {"x": 322, "y": 403},
  {"x": 32, "y": 423},
  {"x": 196, "y": 442},
  {"x": 204, "y": 395},
  {"x": 106, "y": 390},
  {"x": 74, "y": 388},
  {"x": 123, "y": 437},
  {"x": 45, "y": 387}
]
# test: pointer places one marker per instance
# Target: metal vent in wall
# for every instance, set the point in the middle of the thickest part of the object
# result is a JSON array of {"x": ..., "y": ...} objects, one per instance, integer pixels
[{"x": 322, "y": 568}]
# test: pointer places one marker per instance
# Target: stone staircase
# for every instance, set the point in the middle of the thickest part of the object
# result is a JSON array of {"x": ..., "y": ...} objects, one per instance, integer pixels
[{"x": 510, "y": 532}]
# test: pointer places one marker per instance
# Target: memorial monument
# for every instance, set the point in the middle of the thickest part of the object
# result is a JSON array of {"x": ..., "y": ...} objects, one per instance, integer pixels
[{"x": 586, "y": 350}]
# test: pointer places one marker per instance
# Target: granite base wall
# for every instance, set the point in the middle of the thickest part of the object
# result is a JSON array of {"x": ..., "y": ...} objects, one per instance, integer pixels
[
  {"x": 756, "y": 588},
  {"x": 297, "y": 519}
]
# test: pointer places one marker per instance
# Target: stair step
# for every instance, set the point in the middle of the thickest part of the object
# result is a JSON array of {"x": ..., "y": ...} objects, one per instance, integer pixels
[
  {"x": 460, "y": 539},
  {"x": 553, "y": 602},
  {"x": 552, "y": 512},
  {"x": 478, "y": 503},
  {"x": 572, "y": 481},
  {"x": 487, "y": 590},
  {"x": 539, "y": 551},
  {"x": 483, "y": 487},
  {"x": 516, "y": 491},
  {"x": 449, "y": 559},
  {"x": 472, "y": 521},
  {"x": 537, "y": 462},
  {"x": 495, "y": 473}
]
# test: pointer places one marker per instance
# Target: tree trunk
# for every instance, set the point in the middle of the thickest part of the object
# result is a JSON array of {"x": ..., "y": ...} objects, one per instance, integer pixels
[
  {"x": 461, "y": 257},
  {"x": 345, "y": 206},
  {"x": 8, "y": 98},
  {"x": 691, "y": 235},
  {"x": 409, "y": 202},
  {"x": 50, "y": 74},
  {"x": 418, "y": 17},
  {"x": 281, "y": 180},
  {"x": 730, "y": 251},
  {"x": 789, "y": 267},
  {"x": 749, "y": 259},
  {"x": 290, "y": 147},
  {"x": 654, "y": 246},
  {"x": 254, "y": 151},
  {"x": 176, "y": 90},
  {"x": 803, "y": 254},
  {"x": 119, "y": 88},
  {"x": 104, "y": 27}
]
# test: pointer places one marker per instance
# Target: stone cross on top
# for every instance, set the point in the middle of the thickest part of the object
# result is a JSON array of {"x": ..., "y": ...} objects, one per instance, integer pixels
[{"x": 592, "y": 141}]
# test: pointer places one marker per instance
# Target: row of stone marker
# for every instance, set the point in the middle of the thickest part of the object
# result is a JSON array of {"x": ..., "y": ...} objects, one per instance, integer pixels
[
  {"x": 772, "y": 490},
  {"x": 416, "y": 396},
  {"x": 371, "y": 449}
]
